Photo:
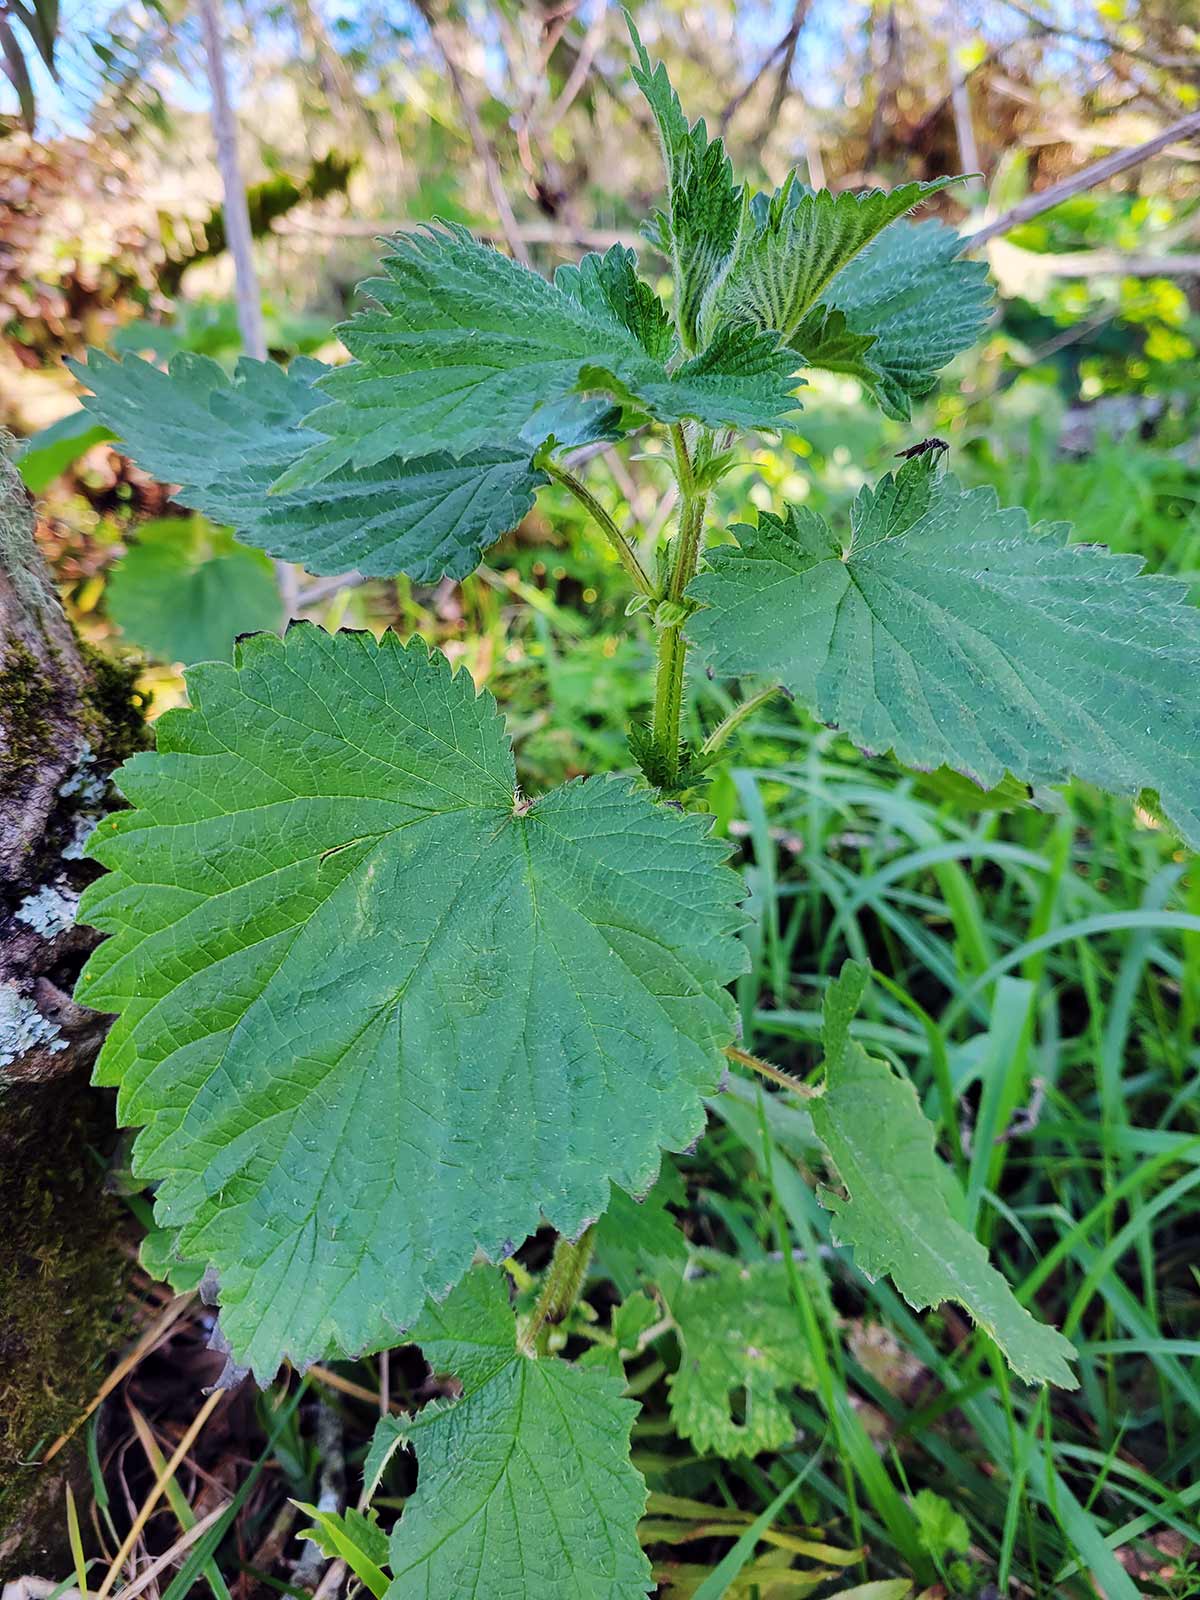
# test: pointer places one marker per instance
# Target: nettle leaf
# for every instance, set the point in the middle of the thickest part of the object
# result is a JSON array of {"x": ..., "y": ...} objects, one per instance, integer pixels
[
  {"x": 922, "y": 303},
  {"x": 899, "y": 1210},
  {"x": 186, "y": 590},
  {"x": 525, "y": 1486},
  {"x": 952, "y": 632},
  {"x": 639, "y": 1238},
  {"x": 226, "y": 441},
  {"x": 467, "y": 348},
  {"x": 377, "y": 1011},
  {"x": 740, "y": 1334},
  {"x": 797, "y": 242},
  {"x": 356, "y": 1539},
  {"x": 609, "y": 285},
  {"x": 699, "y": 228}
]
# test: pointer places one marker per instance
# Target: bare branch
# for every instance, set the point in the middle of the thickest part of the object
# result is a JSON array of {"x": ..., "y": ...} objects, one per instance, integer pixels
[
  {"x": 483, "y": 147},
  {"x": 237, "y": 213},
  {"x": 1186, "y": 128}
]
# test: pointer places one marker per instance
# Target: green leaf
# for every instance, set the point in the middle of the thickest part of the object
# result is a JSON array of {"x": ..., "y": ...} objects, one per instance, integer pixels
[
  {"x": 360, "y": 1542},
  {"x": 920, "y": 300},
  {"x": 224, "y": 442},
  {"x": 50, "y": 452},
  {"x": 942, "y": 1530},
  {"x": 635, "y": 1316},
  {"x": 469, "y": 348},
  {"x": 157, "y": 1258},
  {"x": 639, "y": 1239},
  {"x": 952, "y": 632},
  {"x": 739, "y": 1333},
  {"x": 186, "y": 590},
  {"x": 525, "y": 1486},
  {"x": 896, "y": 1213},
  {"x": 797, "y": 242},
  {"x": 699, "y": 228},
  {"x": 609, "y": 285},
  {"x": 376, "y": 1009}
]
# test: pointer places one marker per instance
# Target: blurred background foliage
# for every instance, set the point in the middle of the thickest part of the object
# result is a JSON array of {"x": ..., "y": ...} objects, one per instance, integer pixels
[{"x": 1043, "y": 961}]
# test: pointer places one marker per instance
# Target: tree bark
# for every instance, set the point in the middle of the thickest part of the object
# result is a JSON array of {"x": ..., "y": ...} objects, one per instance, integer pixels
[{"x": 67, "y": 717}]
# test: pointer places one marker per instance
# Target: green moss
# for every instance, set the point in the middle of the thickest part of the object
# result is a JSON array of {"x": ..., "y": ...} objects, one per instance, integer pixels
[
  {"x": 61, "y": 1290},
  {"x": 27, "y": 700},
  {"x": 114, "y": 713}
]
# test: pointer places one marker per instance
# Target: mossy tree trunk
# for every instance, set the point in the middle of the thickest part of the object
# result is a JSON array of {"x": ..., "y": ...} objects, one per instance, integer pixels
[{"x": 67, "y": 717}]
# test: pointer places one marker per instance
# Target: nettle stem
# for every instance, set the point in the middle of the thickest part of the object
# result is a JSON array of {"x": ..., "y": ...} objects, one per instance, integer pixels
[
  {"x": 563, "y": 1285},
  {"x": 672, "y": 646}
]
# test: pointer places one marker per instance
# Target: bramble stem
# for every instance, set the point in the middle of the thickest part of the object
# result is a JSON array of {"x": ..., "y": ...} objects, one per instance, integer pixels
[
  {"x": 625, "y": 551},
  {"x": 736, "y": 717},
  {"x": 564, "y": 1281}
]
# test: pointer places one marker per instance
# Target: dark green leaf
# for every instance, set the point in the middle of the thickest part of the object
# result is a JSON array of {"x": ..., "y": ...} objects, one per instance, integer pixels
[
  {"x": 698, "y": 229},
  {"x": 896, "y": 1213},
  {"x": 952, "y": 632},
  {"x": 377, "y": 1010},
  {"x": 923, "y": 303},
  {"x": 224, "y": 442},
  {"x": 525, "y": 1486}
]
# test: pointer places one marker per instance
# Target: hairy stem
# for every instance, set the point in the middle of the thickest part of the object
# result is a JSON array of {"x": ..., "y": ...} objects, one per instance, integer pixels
[
  {"x": 625, "y": 551},
  {"x": 564, "y": 1281},
  {"x": 672, "y": 646},
  {"x": 772, "y": 1074},
  {"x": 736, "y": 717}
]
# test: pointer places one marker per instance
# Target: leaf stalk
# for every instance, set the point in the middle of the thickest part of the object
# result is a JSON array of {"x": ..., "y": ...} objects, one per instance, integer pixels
[{"x": 626, "y": 554}]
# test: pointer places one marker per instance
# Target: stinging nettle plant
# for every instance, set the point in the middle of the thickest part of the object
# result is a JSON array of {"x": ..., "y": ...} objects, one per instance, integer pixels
[{"x": 381, "y": 1014}]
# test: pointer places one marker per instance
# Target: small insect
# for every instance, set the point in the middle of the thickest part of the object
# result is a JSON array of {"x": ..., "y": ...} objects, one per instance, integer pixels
[{"x": 922, "y": 448}]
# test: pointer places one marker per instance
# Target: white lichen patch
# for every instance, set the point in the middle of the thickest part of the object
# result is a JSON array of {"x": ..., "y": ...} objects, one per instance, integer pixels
[
  {"x": 49, "y": 911},
  {"x": 22, "y": 1027},
  {"x": 85, "y": 781}
]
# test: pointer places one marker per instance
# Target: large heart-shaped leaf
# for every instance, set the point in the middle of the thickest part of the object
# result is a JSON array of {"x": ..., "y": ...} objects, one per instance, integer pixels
[
  {"x": 377, "y": 1010},
  {"x": 952, "y": 632}
]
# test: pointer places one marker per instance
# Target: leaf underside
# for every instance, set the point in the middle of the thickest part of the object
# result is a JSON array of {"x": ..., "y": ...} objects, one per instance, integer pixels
[
  {"x": 225, "y": 442},
  {"x": 896, "y": 1214},
  {"x": 920, "y": 302},
  {"x": 525, "y": 1485},
  {"x": 952, "y": 632},
  {"x": 374, "y": 1014},
  {"x": 739, "y": 1330}
]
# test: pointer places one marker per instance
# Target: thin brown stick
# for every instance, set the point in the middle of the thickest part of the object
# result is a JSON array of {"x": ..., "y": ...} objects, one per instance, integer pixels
[
  {"x": 1186, "y": 128},
  {"x": 153, "y": 1334},
  {"x": 1048, "y": 25},
  {"x": 479, "y": 139}
]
